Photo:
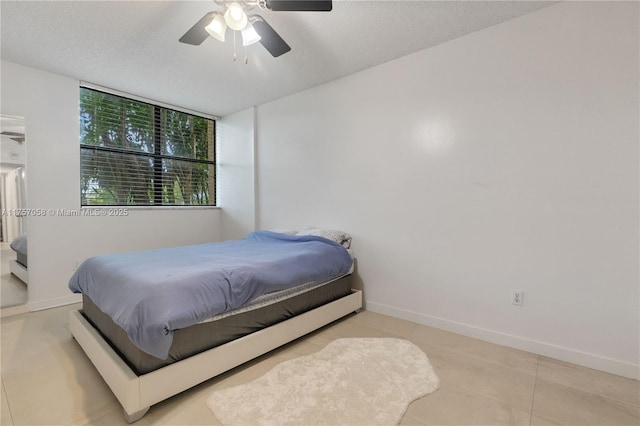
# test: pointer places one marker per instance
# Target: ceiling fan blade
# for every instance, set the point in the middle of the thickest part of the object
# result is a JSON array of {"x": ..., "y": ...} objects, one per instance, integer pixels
[
  {"x": 197, "y": 34},
  {"x": 300, "y": 5},
  {"x": 269, "y": 38}
]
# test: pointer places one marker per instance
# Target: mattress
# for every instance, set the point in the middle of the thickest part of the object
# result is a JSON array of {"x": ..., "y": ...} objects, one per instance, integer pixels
[
  {"x": 151, "y": 293},
  {"x": 19, "y": 245},
  {"x": 21, "y": 259},
  {"x": 221, "y": 329}
]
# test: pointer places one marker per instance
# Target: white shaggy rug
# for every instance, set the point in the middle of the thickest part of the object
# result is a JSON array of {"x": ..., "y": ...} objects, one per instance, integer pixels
[{"x": 355, "y": 381}]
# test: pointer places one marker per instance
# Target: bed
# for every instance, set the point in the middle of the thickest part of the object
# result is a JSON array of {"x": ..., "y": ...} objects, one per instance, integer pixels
[
  {"x": 307, "y": 288},
  {"x": 18, "y": 266}
]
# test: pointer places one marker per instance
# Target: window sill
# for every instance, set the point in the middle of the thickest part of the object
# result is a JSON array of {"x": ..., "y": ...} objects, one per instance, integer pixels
[{"x": 136, "y": 208}]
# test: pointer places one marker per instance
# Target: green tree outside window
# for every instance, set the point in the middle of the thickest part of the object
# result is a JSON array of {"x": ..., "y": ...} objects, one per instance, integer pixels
[{"x": 135, "y": 153}]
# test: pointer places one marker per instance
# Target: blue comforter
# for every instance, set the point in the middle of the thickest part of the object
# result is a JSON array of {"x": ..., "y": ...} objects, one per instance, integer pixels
[{"x": 151, "y": 293}]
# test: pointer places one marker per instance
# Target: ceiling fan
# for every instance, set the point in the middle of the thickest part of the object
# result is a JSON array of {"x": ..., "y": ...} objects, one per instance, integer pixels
[{"x": 238, "y": 16}]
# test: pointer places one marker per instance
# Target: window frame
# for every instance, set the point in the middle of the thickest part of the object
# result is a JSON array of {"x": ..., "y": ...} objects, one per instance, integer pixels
[{"x": 157, "y": 156}]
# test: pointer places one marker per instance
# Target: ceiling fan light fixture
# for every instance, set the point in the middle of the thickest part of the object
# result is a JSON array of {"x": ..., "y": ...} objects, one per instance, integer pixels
[
  {"x": 249, "y": 35},
  {"x": 217, "y": 28},
  {"x": 214, "y": 23},
  {"x": 235, "y": 17}
]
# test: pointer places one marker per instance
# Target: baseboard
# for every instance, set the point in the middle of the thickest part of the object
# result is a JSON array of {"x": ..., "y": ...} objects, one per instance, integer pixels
[
  {"x": 573, "y": 356},
  {"x": 10, "y": 311},
  {"x": 54, "y": 303}
]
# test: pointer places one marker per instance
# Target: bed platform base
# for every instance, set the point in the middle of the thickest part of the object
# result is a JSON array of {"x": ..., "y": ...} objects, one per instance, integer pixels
[
  {"x": 19, "y": 270},
  {"x": 137, "y": 393}
]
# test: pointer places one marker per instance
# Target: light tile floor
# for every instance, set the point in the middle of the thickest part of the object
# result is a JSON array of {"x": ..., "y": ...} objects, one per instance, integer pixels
[{"x": 47, "y": 380}]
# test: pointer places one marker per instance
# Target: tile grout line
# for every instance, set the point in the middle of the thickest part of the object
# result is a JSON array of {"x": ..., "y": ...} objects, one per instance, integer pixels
[
  {"x": 483, "y": 358},
  {"x": 477, "y": 394},
  {"x": 596, "y": 393},
  {"x": 4, "y": 389},
  {"x": 609, "y": 399},
  {"x": 535, "y": 384}
]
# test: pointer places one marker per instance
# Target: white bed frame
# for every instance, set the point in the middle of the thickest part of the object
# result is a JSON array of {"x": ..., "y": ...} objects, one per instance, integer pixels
[
  {"x": 138, "y": 393},
  {"x": 19, "y": 271}
]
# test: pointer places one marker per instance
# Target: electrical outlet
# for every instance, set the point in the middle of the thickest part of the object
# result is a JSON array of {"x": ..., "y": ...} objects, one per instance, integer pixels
[{"x": 516, "y": 297}]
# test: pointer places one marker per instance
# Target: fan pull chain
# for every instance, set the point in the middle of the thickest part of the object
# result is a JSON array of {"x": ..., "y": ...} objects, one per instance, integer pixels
[
  {"x": 235, "y": 56},
  {"x": 234, "y": 46}
]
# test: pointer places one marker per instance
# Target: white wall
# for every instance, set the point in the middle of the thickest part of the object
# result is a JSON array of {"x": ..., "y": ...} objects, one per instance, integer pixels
[
  {"x": 505, "y": 159},
  {"x": 50, "y": 104},
  {"x": 235, "y": 174}
]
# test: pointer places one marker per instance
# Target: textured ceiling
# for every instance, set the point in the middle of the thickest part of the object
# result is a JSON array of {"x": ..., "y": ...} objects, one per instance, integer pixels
[{"x": 133, "y": 46}]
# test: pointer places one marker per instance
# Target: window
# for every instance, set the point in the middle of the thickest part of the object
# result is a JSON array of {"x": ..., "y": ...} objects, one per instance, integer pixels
[{"x": 134, "y": 153}]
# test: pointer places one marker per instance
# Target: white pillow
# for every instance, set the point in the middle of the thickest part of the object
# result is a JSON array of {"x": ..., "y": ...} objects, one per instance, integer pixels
[
  {"x": 339, "y": 237},
  {"x": 284, "y": 231}
]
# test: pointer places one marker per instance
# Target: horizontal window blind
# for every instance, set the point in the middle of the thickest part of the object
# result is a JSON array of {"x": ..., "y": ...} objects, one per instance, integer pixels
[{"x": 133, "y": 153}]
